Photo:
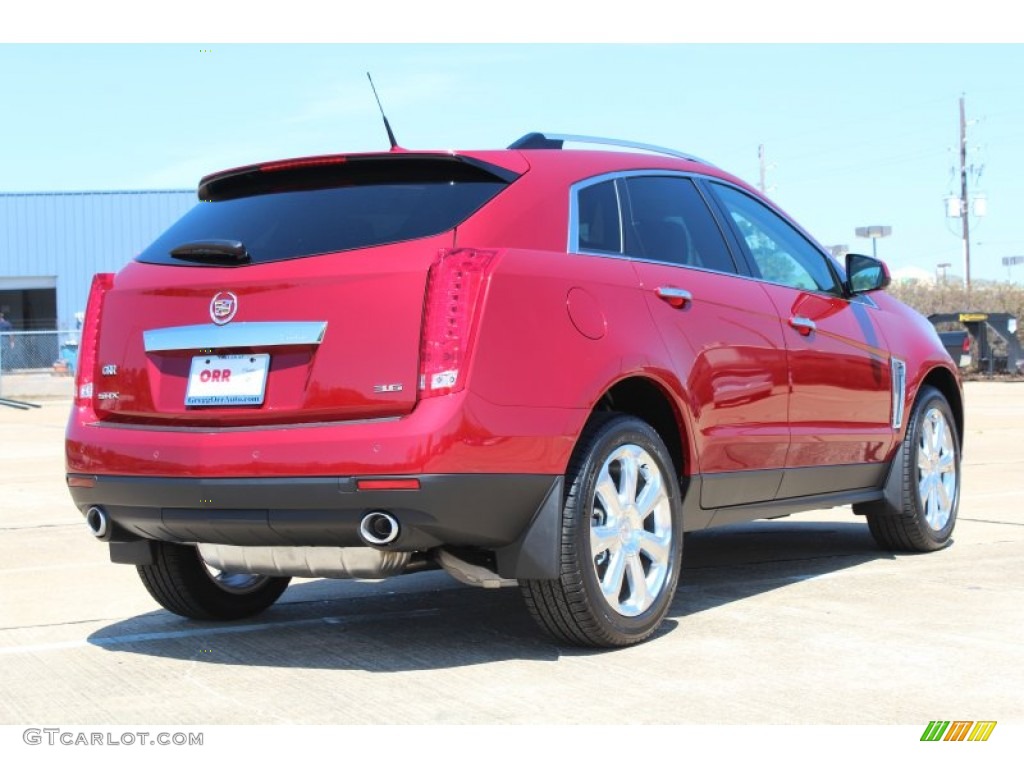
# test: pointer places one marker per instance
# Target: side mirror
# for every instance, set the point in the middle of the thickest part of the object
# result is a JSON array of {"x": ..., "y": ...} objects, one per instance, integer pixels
[{"x": 865, "y": 274}]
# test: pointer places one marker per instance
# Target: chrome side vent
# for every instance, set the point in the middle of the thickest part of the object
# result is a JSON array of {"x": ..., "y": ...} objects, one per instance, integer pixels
[{"x": 899, "y": 391}]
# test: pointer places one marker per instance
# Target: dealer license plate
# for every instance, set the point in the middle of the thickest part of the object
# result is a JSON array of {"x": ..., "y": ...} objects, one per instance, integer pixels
[{"x": 227, "y": 380}]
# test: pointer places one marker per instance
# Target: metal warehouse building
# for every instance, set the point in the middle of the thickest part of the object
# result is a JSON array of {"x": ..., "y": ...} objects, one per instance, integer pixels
[{"x": 51, "y": 244}]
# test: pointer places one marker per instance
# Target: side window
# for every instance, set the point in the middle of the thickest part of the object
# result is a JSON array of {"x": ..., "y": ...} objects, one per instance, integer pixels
[
  {"x": 780, "y": 252},
  {"x": 669, "y": 221},
  {"x": 598, "y": 220}
]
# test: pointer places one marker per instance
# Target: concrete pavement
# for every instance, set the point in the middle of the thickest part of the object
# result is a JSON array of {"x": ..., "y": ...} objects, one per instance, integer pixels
[{"x": 800, "y": 620}]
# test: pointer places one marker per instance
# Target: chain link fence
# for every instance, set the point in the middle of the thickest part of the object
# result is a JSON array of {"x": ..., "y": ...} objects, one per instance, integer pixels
[{"x": 36, "y": 362}]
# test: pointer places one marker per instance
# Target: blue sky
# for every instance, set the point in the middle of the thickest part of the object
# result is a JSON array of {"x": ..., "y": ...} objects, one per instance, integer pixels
[{"x": 855, "y": 135}]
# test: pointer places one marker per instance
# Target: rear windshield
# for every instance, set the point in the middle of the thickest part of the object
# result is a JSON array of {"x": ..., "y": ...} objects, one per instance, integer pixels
[{"x": 289, "y": 214}]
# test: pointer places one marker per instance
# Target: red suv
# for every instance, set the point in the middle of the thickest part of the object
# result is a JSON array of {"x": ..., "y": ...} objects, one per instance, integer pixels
[{"x": 536, "y": 365}]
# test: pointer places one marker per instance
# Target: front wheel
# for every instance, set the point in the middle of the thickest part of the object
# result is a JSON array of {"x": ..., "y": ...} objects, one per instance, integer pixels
[
  {"x": 930, "y": 486},
  {"x": 184, "y": 584},
  {"x": 621, "y": 540}
]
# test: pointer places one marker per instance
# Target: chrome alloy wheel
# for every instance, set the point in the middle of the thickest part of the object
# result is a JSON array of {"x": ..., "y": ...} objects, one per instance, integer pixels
[
  {"x": 631, "y": 530},
  {"x": 937, "y": 470}
]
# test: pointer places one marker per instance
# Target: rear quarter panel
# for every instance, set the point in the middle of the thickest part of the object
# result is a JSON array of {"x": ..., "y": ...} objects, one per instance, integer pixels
[{"x": 558, "y": 329}]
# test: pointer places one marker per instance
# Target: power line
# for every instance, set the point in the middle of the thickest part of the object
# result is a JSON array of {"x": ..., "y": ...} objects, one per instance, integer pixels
[
  {"x": 829, "y": 127},
  {"x": 876, "y": 164}
]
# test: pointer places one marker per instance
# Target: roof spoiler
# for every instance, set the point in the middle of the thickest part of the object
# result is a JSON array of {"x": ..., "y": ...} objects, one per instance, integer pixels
[{"x": 327, "y": 170}]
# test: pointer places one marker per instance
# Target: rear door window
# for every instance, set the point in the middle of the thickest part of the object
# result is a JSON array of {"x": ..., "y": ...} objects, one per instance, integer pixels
[
  {"x": 669, "y": 221},
  {"x": 656, "y": 217}
]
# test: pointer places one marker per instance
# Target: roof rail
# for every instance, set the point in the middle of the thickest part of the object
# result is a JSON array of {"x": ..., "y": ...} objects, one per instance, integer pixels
[{"x": 538, "y": 140}]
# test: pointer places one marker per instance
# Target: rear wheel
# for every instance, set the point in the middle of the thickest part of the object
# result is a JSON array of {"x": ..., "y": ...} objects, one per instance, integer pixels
[
  {"x": 184, "y": 584},
  {"x": 930, "y": 488},
  {"x": 621, "y": 540}
]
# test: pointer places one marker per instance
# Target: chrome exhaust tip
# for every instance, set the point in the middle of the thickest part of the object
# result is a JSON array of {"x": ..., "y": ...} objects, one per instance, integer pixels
[
  {"x": 99, "y": 522},
  {"x": 378, "y": 529}
]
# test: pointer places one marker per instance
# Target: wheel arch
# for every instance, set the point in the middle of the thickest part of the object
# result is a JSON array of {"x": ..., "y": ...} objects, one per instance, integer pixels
[
  {"x": 943, "y": 380},
  {"x": 537, "y": 554},
  {"x": 651, "y": 401},
  {"x": 891, "y": 504},
  {"x": 903, "y": 520}
]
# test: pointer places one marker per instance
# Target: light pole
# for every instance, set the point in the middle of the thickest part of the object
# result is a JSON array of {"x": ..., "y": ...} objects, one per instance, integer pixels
[
  {"x": 874, "y": 232},
  {"x": 943, "y": 267}
]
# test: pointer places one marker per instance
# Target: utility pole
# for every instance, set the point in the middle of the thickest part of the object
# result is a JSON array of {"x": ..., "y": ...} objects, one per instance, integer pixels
[
  {"x": 763, "y": 167},
  {"x": 959, "y": 204},
  {"x": 964, "y": 199}
]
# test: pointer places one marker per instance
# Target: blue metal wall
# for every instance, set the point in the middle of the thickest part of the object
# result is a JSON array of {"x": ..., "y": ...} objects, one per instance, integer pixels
[{"x": 73, "y": 235}]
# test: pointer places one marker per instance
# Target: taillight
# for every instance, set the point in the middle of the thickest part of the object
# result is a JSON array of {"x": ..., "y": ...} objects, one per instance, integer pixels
[
  {"x": 966, "y": 345},
  {"x": 455, "y": 287},
  {"x": 101, "y": 283}
]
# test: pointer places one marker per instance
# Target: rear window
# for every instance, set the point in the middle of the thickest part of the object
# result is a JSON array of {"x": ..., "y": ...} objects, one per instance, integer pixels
[{"x": 305, "y": 211}]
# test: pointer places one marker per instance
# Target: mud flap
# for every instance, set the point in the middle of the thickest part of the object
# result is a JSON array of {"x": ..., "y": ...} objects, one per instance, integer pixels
[
  {"x": 138, "y": 552},
  {"x": 537, "y": 553},
  {"x": 889, "y": 505}
]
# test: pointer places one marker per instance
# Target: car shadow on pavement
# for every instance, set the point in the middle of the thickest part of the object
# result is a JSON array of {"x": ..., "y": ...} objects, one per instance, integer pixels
[
  {"x": 428, "y": 621},
  {"x": 728, "y": 564}
]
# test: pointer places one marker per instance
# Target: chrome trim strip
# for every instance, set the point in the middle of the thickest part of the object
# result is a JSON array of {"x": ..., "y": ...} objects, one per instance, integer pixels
[
  {"x": 899, "y": 391},
  {"x": 639, "y": 260},
  {"x": 276, "y": 334},
  {"x": 621, "y": 207},
  {"x": 574, "y": 243}
]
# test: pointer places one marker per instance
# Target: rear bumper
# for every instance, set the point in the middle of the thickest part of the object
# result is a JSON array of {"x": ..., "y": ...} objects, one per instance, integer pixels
[
  {"x": 510, "y": 514},
  {"x": 455, "y": 434}
]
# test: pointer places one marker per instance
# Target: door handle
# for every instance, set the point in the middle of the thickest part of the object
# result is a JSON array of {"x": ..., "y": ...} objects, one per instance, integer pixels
[
  {"x": 676, "y": 297},
  {"x": 802, "y": 325}
]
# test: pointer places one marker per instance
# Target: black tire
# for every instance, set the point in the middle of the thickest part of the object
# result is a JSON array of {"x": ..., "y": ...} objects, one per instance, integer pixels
[
  {"x": 182, "y": 583},
  {"x": 644, "y": 546},
  {"x": 930, "y": 485}
]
